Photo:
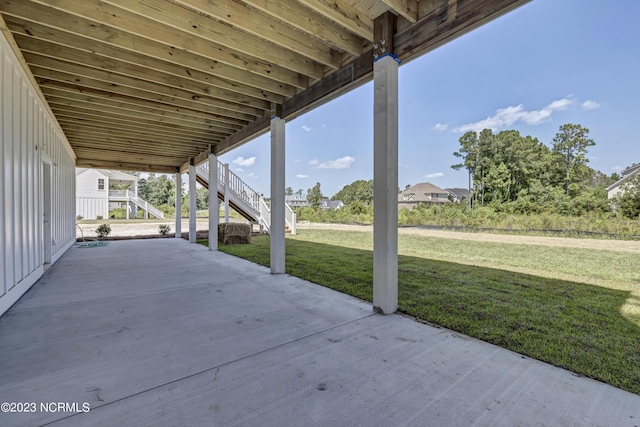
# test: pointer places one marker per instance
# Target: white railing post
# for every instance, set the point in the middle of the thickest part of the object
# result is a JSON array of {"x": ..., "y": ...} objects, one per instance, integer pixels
[{"x": 226, "y": 192}]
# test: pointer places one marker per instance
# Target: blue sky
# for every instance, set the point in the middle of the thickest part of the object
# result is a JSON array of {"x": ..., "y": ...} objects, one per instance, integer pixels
[{"x": 547, "y": 63}]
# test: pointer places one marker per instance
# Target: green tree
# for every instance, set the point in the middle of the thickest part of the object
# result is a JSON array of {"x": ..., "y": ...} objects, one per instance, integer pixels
[
  {"x": 360, "y": 190},
  {"x": 571, "y": 144},
  {"x": 202, "y": 199},
  {"x": 314, "y": 195}
]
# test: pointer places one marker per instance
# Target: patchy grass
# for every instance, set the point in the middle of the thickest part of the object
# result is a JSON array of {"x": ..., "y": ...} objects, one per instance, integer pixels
[{"x": 575, "y": 308}]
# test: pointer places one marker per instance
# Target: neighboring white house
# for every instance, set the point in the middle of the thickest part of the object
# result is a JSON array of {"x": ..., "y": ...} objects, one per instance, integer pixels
[
  {"x": 94, "y": 199},
  {"x": 617, "y": 188}
]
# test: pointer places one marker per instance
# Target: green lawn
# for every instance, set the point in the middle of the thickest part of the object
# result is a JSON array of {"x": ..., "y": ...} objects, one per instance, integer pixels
[{"x": 575, "y": 308}]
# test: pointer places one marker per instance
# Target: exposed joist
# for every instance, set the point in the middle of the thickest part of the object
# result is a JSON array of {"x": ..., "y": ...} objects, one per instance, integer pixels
[
  {"x": 344, "y": 15},
  {"x": 287, "y": 47},
  {"x": 140, "y": 115},
  {"x": 127, "y": 24},
  {"x": 75, "y": 61},
  {"x": 100, "y": 141},
  {"x": 124, "y": 102},
  {"x": 405, "y": 8},
  {"x": 228, "y": 89},
  {"x": 82, "y": 76},
  {"x": 117, "y": 120},
  {"x": 108, "y": 164},
  {"x": 100, "y": 132},
  {"x": 318, "y": 26},
  {"x": 67, "y": 82},
  {"x": 444, "y": 20}
]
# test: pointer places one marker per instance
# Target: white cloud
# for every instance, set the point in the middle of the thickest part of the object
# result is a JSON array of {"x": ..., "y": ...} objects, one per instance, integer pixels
[
  {"x": 617, "y": 168},
  {"x": 505, "y": 117},
  {"x": 439, "y": 127},
  {"x": 341, "y": 163},
  {"x": 241, "y": 161},
  {"x": 301, "y": 175},
  {"x": 590, "y": 105},
  {"x": 314, "y": 162},
  {"x": 434, "y": 175},
  {"x": 239, "y": 170},
  {"x": 307, "y": 128}
]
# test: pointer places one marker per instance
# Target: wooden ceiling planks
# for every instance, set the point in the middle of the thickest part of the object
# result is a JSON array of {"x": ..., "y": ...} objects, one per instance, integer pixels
[{"x": 148, "y": 84}]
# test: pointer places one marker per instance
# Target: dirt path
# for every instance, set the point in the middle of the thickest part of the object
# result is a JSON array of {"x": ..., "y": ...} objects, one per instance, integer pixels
[
  {"x": 151, "y": 227},
  {"x": 598, "y": 244}
]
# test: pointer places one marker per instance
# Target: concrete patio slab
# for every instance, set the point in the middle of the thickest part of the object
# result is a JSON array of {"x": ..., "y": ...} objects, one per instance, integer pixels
[{"x": 166, "y": 333}]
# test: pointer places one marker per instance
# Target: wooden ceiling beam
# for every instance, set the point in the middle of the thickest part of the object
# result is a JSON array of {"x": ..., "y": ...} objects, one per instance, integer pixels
[
  {"x": 110, "y": 22},
  {"x": 137, "y": 104},
  {"x": 67, "y": 82},
  {"x": 405, "y": 8},
  {"x": 124, "y": 131},
  {"x": 112, "y": 58},
  {"x": 123, "y": 154},
  {"x": 88, "y": 139},
  {"x": 288, "y": 47},
  {"x": 343, "y": 14},
  {"x": 317, "y": 26},
  {"x": 72, "y": 61},
  {"x": 442, "y": 21},
  {"x": 127, "y": 166},
  {"x": 143, "y": 115},
  {"x": 81, "y": 76},
  {"x": 118, "y": 119}
]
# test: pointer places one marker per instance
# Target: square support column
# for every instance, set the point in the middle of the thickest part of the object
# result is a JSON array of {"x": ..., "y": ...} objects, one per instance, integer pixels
[
  {"x": 192, "y": 204},
  {"x": 385, "y": 170},
  {"x": 277, "y": 193},
  {"x": 214, "y": 211},
  {"x": 178, "y": 205}
]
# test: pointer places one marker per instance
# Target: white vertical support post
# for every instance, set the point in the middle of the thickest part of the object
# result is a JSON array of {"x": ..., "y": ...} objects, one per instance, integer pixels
[
  {"x": 214, "y": 210},
  {"x": 385, "y": 168},
  {"x": 178, "y": 205},
  {"x": 192, "y": 202},
  {"x": 226, "y": 192},
  {"x": 276, "y": 231}
]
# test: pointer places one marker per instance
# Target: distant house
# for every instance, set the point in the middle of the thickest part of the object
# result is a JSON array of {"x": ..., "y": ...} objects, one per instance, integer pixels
[
  {"x": 425, "y": 193},
  {"x": 296, "y": 201},
  {"x": 327, "y": 204},
  {"x": 617, "y": 188},
  {"x": 94, "y": 199},
  {"x": 457, "y": 195}
]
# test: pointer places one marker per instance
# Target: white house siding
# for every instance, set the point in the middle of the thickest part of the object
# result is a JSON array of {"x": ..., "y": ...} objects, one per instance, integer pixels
[
  {"x": 91, "y": 202},
  {"x": 29, "y": 137}
]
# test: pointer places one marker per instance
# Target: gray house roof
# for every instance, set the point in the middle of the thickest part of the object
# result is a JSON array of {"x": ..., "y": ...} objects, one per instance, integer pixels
[
  {"x": 424, "y": 192},
  {"x": 459, "y": 193},
  {"x": 626, "y": 175},
  {"x": 331, "y": 204}
]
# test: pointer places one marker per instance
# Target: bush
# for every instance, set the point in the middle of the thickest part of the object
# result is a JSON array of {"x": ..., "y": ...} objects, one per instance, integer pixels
[
  {"x": 118, "y": 213},
  {"x": 79, "y": 217},
  {"x": 164, "y": 229},
  {"x": 103, "y": 230}
]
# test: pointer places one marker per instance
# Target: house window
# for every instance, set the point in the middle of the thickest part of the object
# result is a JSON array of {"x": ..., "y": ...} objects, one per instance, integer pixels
[{"x": 100, "y": 184}]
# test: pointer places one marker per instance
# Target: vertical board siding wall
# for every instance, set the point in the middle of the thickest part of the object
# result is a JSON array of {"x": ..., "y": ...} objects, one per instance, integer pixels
[{"x": 30, "y": 137}]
